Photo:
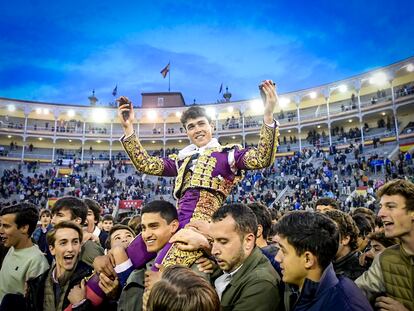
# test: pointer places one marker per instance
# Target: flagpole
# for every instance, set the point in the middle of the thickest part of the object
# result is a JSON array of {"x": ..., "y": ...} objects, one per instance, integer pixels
[{"x": 169, "y": 78}]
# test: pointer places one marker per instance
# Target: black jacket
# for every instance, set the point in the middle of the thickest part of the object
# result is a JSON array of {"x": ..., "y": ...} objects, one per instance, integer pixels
[
  {"x": 349, "y": 266},
  {"x": 36, "y": 286}
]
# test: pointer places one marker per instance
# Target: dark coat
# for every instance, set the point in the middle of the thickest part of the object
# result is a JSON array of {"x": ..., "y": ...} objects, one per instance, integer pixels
[
  {"x": 253, "y": 287},
  {"x": 36, "y": 286},
  {"x": 349, "y": 266},
  {"x": 331, "y": 293}
]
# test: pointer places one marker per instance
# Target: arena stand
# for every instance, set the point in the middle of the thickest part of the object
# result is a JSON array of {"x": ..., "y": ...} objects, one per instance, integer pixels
[{"x": 330, "y": 137}]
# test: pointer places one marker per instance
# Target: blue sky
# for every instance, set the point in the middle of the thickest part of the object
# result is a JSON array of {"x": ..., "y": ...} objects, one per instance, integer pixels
[{"x": 58, "y": 51}]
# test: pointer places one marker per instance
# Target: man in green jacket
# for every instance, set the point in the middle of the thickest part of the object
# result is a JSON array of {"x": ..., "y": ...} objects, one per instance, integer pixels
[
  {"x": 248, "y": 281},
  {"x": 390, "y": 279}
]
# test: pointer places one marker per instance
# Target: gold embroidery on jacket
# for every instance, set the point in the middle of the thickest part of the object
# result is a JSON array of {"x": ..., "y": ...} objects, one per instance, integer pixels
[
  {"x": 265, "y": 153},
  {"x": 142, "y": 161},
  {"x": 176, "y": 256},
  {"x": 207, "y": 204}
]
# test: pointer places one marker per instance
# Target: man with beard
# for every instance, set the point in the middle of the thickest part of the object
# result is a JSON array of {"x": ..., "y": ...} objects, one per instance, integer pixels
[{"x": 248, "y": 281}]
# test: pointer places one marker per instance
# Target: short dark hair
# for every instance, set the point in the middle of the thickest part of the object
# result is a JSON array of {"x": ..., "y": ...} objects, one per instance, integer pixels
[
  {"x": 380, "y": 237},
  {"x": 107, "y": 217},
  {"x": 51, "y": 235},
  {"x": 327, "y": 202},
  {"x": 26, "y": 214},
  {"x": 310, "y": 231},
  {"x": 167, "y": 210},
  {"x": 363, "y": 225},
  {"x": 367, "y": 213},
  {"x": 346, "y": 226},
  {"x": 181, "y": 289},
  {"x": 194, "y": 112},
  {"x": 76, "y": 206},
  {"x": 94, "y": 207},
  {"x": 263, "y": 217},
  {"x": 116, "y": 228},
  {"x": 45, "y": 211},
  {"x": 243, "y": 216},
  {"x": 402, "y": 187}
]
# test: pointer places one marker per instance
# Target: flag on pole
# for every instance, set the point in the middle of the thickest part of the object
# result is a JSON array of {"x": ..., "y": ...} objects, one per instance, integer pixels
[
  {"x": 165, "y": 71},
  {"x": 115, "y": 91},
  {"x": 221, "y": 88}
]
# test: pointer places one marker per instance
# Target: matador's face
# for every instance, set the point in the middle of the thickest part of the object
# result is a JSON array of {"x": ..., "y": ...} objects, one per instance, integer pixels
[{"x": 199, "y": 131}]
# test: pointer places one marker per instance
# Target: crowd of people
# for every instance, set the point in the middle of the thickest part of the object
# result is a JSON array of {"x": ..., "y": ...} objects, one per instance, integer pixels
[{"x": 254, "y": 257}]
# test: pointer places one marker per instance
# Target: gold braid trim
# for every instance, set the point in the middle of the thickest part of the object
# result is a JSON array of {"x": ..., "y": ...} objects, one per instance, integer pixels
[
  {"x": 176, "y": 256},
  {"x": 207, "y": 204},
  {"x": 265, "y": 153},
  {"x": 205, "y": 208},
  {"x": 142, "y": 161}
]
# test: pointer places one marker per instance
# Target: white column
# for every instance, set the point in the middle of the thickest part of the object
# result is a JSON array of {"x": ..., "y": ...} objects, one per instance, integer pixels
[
  {"x": 83, "y": 149},
  {"x": 110, "y": 139},
  {"x": 297, "y": 101},
  {"x": 361, "y": 123},
  {"x": 394, "y": 111},
  {"x": 23, "y": 147},
  {"x": 327, "y": 95},
  {"x": 242, "y": 112}
]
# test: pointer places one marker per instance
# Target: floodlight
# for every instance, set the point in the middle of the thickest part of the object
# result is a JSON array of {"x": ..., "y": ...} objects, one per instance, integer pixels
[
  {"x": 152, "y": 115},
  {"x": 99, "y": 115},
  {"x": 284, "y": 101},
  {"x": 379, "y": 78}
]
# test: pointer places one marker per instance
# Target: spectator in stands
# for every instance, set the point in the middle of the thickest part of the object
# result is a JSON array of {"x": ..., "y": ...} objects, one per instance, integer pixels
[
  {"x": 75, "y": 210},
  {"x": 325, "y": 204},
  {"x": 94, "y": 213},
  {"x": 107, "y": 223},
  {"x": 308, "y": 244},
  {"x": 24, "y": 260},
  {"x": 181, "y": 289},
  {"x": 56, "y": 288},
  {"x": 39, "y": 235},
  {"x": 248, "y": 281},
  {"x": 347, "y": 257},
  {"x": 390, "y": 275}
]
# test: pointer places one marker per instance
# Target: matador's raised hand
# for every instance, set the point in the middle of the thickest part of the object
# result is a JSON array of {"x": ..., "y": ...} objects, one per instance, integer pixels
[{"x": 270, "y": 99}]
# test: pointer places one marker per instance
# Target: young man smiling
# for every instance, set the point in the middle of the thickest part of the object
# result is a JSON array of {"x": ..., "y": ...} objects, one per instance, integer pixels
[
  {"x": 390, "y": 279},
  {"x": 159, "y": 223},
  {"x": 205, "y": 171},
  {"x": 51, "y": 290},
  {"x": 308, "y": 243},
  {"x": 24, "y": 260},
  {"x": 75, "y": 210}
]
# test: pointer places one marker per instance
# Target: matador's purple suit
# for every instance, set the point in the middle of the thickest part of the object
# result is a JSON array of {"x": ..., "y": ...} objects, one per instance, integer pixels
[{"x": 204, "y": 178}]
